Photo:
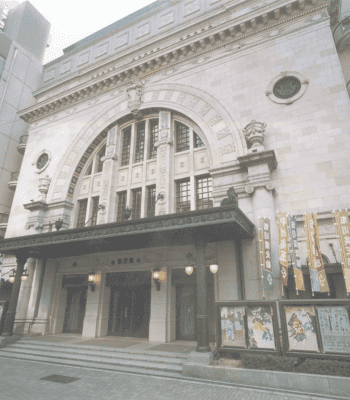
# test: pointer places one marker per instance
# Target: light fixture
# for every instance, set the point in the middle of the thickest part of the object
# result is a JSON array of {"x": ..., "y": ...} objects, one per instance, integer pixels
[
  {"x": 213, "y": 267},
  {"x": 12, "y": 276},
  {"x": 92, "y": 280},
  {"x": 156, "y": 277},
  {"x": 24, "y": 276},
  {"x": 189, "y": 267}
]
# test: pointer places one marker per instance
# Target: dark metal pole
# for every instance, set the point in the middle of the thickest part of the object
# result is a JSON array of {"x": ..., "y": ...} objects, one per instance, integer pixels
[
  {"x": 202, "y": 312},
  {"x": 11, "y": 311}
]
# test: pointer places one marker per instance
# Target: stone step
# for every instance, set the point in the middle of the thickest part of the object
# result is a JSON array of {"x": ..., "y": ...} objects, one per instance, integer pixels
[
  {"x": 93, "y": 365},
  {"x": 24, "y": 342},
  {"x": 98, "y": 351}
]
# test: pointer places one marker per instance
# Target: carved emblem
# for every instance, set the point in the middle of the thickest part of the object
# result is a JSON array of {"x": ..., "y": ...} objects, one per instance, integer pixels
[
  {"x": 231, "y": 200},
  {"x": 44, "y": 184},
  {"x": 287, "y": 87},
  {"x": 135, "y": 97},
  {"x": 254, "y": 133}
]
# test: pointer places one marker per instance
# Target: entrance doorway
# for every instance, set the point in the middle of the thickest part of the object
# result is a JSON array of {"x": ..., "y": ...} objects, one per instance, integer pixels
[
  {"x": 186, "y": 305},
  {"x": 75, "y": 309},
  {"x": 130, "y": 304}
]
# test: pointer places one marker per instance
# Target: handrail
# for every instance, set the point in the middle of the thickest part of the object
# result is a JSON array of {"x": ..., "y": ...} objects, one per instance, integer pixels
[
  {"x": 14, "y": 176},
  {"x": 340, "y": 23},
  {"x": 23, "y": 139}
]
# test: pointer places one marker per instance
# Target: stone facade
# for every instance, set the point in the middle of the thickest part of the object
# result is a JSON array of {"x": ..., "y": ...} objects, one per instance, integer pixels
[{"x": 213, "y": 69}]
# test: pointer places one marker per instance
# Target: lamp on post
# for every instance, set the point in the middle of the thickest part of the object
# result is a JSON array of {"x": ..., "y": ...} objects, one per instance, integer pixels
[
  {"x": 92, "y": 281},
  {"x": 12, "y": 276},
  {"x": 25, "y": 275},
  {"x": 190, "y": 262},
  {"x": 213, "y": 265},
  {"x": 156, "y": 277}
]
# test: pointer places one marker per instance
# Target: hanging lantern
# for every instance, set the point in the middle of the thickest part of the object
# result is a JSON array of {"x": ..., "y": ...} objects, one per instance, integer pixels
[
  {"x": 189, "y": 269},
  {"x": 214, "y": 267},
  {"x": 24, "y": 276},
  {"x": 12, "y": 276}
]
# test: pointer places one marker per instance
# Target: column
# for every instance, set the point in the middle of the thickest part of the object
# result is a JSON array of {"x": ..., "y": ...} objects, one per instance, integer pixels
[
  {"x": 94, "y": 302},
  {"x": 109, "y": 185},
  {"x": 35, "y": 293},
  {"x": 202, "y": 316},
  {"x": 259, "y": 166},
  {"x": 164, "y": 164},
  {"x": 23, "y": 298},
  {"x": 11, "y": 312},
  {"x": 158, "y": 317}
]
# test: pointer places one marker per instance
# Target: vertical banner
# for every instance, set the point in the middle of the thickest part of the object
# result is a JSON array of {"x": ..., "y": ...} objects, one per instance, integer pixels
[
  {"x": 265, "y": 253},
  {"x": 342, "y": 226},
  {"x": 298, "y": 274},
  {"x": 282, "y": 225},
  {"x": 317, "y": 273}
]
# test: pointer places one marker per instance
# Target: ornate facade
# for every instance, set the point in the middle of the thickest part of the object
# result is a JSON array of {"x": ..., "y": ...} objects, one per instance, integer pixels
[{"x": 173, "y": 133}]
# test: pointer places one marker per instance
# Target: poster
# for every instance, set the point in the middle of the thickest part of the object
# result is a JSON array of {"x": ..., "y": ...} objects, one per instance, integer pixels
[
  {"x": 342, "y": 226},
  {"x": 260, "y": 328},
  {"x": 335, "y": 329},
  {"x": 301, "y": 328},
  {"x": 298, "y": 273},
  {"x": 232, "y": 326}
]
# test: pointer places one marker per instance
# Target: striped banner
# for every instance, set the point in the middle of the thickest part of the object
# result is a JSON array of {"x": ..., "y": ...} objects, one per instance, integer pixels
[
  {"x": 298, "y": 274},
  {"x": 282, "y": 225},
  {"x": 342, "y": 226},
  {"x": 265, "y": 253},
  {"x": 317, "y": 273}
]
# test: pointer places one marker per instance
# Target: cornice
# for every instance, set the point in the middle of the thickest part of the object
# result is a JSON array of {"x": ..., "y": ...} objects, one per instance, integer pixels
[{"x": 143, "y": 66}]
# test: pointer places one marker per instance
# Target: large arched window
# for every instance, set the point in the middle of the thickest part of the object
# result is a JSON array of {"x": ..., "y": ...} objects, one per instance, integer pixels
[{"x": 136, "y": 173}]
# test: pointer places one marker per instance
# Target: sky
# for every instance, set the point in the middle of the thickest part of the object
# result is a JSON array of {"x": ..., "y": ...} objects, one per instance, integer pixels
[{"x": 73, "y": 20}]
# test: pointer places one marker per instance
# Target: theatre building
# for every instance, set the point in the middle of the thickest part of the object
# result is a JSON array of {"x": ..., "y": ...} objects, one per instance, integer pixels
[{"x": 157, "y": 144}]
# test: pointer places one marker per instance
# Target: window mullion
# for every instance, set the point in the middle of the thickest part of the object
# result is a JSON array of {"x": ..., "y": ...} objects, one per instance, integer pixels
[{"x": 193, "y": 192}]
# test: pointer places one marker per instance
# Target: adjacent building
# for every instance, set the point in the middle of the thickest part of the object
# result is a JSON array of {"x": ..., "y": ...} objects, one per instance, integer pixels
[{"x": 138, "y": 134}]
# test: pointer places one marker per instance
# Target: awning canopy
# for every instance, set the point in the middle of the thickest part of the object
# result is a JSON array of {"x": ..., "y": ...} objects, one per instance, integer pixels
[{"x": 210, "y": 225}]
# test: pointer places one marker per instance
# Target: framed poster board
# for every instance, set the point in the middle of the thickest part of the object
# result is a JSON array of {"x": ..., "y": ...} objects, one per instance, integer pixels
[
  {"x": 248, "y": 326},
  {"x": 316, "y": 328}
]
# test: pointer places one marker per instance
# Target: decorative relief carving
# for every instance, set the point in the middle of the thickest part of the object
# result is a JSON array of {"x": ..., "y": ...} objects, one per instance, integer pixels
[
  {"x": 83, "y": 58},
  {"x": 194, "y": 101},
  {"x": 254, "y": 134},
  {"x": 143, "y": 30},
  {"x": 215, "y": 120},
  {"x": 123, "y": 178},
  {"x": 201, "y": 160},
  {"x": 166, "y": 19},
  {"x": 191, "y": 7},
  {"x": 44, "y": 184},
  {"x": 223, "y": 133},
  {"x": 181, "y": 97},
  {"x": 155, "y": 95},
  {"x": 204, "y": 110},
  {"x": 137, "y": 175},
  {"x": 66, "y": 67},
  {"x": 96, "y": 184},
  {"x": 231, "y": 199},
  {"x": 122, "y": 40},
  {"x": 230, "y": 148},
  {"x": 168, "y": 95},
  {"x": 270, "y": 186},
  {"x": 249, "y": 189},
  {"x": 182, "y": 164},
  {"x": 135, "y": 97},
  {"x": 85, "y": 186},
  {"x": 101, "y": 50}
]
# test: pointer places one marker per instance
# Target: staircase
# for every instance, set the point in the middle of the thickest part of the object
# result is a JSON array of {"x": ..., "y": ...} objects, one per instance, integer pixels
[{"x": 146, "y": 362}]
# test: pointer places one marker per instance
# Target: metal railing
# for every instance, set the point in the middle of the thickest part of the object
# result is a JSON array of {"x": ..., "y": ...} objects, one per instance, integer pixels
[
  {"x": 348, "y": 88},
  {"x": 341, "y": 33},
  {"x": 23, "y": 139}
]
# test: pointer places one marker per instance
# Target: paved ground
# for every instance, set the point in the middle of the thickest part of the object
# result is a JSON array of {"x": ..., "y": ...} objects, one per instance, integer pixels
[{"x": 22, "y": 380}]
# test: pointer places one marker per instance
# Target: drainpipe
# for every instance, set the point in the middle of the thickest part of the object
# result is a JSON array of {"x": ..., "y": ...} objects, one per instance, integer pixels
[{"x": 9, "y": 74}]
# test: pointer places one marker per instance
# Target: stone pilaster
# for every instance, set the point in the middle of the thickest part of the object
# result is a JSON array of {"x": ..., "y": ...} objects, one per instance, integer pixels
[
  {"x": 259, "y": 185},
  {"x": 109, "y": 185},
  {"x": 164, "y": 170}
]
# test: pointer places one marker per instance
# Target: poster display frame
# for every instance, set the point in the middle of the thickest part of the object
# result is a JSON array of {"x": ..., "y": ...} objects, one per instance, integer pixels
[
  {"x": 247, "y": 349},
  {"x": 320, "y": 353}
]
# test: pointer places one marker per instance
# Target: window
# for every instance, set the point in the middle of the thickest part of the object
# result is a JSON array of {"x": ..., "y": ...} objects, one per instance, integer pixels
[
  {"x": 82, "y": 213},
  {"x": 153, "y": 138},
  {"x": 140, "y": 142},
  {"x": 136, "y": 203},
  {"x": 151, "y": 201},
  {"x": 183, "y": 199},
  {"x": 197, "y": 141},
  {"x": 95, "y": 202},
  {"x": 89, "y": 170},
  {"x": 99, "y": 157},
  {"x": 182, "y": 137},
  {"x": 121, "y": 206},
  {"x": 126, "y": 146},
  {"x": 204, "y": 193}
]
